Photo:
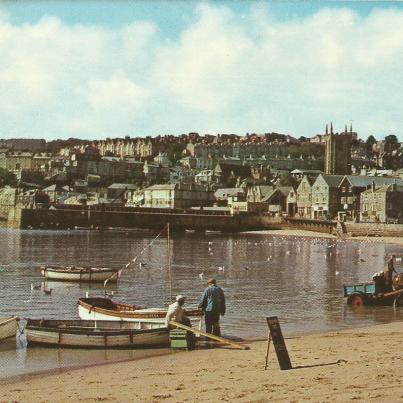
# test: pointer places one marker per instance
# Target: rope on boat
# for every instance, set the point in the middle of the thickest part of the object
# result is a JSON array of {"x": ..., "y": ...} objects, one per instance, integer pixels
[{"x": 119, "y": 273}]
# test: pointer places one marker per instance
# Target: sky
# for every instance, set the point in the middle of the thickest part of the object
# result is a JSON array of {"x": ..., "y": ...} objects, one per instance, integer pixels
[{"x": 97, "y": 69}]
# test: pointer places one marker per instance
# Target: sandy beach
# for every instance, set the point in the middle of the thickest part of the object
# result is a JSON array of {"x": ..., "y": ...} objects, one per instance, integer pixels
[
  {"x": 313, "y": 234},
  {"x": 361, "y": 364}
]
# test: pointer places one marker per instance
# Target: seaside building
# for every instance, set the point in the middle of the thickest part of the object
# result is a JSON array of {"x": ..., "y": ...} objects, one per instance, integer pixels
[
  {"x": 352, "y": 186},
  {"x": 382, "y": 204},
  {"x": 177, "y": 196},
  {"x": 304, "y": 197},
  {"x": 325, "y": 200}
]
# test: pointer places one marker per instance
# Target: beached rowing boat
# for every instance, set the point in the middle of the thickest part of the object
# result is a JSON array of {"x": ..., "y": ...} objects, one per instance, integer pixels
[
  {"x": 98, "y": 308},
  {"x": 8, "y": 327},
  {"x": 93, "y": 334},
  {"x": 80, "y": 273}
]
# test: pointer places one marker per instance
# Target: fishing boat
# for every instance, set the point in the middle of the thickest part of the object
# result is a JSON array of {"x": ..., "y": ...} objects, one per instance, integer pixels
[
  {"x": 93, "y": 334},
  {"x": 8, "y": 327},
  {"x": 80, "y": 273},
  {"x": 98, "y": 308}
]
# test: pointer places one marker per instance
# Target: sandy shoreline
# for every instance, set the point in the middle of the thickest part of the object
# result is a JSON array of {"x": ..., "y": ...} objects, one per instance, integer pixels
[
  {"x": 312, "y": 234},
  {"x": 363, "y": 364}
]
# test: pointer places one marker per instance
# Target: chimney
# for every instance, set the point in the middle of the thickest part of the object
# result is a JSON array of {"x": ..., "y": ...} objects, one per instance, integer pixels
[{"x": 373, "y": 186}]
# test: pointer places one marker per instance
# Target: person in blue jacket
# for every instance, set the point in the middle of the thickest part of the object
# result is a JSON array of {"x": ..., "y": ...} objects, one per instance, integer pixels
[{"x": 212, "y": 303}]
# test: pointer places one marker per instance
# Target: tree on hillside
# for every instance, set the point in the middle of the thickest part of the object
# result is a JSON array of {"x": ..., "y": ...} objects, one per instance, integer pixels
[
  {"x": 7, "y": 178},
  {"x": 391, "y": 139},
  {"x": 286, "y": 179},
  {"x": 371, "y": 140}
]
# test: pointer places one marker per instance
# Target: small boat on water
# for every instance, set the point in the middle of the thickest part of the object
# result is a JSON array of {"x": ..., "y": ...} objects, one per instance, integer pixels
[
  {"x": 80, "y": 273},
  {"x": 8, "y": 327},
  {"x": 98, "y": 308},
  {"x": 93, "y": 334}
]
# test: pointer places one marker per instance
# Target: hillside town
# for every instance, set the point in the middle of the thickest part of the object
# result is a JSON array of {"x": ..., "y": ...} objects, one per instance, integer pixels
[{"x": 330, "y": 176}]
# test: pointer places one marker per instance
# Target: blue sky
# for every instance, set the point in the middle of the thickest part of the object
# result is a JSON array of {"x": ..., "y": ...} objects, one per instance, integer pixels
[{"x": 96, "y": 69}]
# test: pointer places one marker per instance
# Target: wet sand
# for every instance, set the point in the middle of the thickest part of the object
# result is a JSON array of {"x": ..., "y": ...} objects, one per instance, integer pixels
[
  {"x": 313, "y": 234},
  {"x": 362, "y": 364}
]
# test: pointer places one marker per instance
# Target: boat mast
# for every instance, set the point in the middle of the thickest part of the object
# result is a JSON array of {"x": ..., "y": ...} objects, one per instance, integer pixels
[{"x": 169, "y": 265}]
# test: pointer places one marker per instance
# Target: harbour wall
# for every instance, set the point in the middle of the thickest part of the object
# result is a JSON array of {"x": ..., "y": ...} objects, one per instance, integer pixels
[
  {"x": 110, "y": 217},
  {"x": 64, "y": 217}
]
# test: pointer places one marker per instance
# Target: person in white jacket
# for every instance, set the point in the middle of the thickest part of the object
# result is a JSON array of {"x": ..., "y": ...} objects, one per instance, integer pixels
[{"x": 176, "y": 312}]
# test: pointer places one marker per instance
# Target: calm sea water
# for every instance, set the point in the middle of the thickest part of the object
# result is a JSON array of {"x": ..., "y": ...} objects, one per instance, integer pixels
[{"x": 298, "y": 279}]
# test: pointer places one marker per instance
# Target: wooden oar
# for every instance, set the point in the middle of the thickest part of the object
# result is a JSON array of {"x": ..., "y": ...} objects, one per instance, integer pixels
[{"x": 210, "y": 336}]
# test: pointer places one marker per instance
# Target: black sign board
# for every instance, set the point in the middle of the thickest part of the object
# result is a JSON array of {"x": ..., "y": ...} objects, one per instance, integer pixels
[{"x": 279, "y": 343}]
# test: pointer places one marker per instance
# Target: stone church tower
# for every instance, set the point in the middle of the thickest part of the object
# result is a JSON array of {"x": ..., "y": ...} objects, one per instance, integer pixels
[{"x": 338, "y": 151}]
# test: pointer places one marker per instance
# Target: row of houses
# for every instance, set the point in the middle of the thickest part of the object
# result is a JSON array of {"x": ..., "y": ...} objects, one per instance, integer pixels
[
  {"x": 356, "y": 197},
  {"x": 322, "y": 197}
]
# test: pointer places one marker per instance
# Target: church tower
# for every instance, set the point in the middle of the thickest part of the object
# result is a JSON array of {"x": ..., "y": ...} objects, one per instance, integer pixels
[{"x": 338, "y": 152}]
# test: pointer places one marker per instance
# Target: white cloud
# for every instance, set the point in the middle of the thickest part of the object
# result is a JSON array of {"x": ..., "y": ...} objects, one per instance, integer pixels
[{"x": 224, "y": 73}]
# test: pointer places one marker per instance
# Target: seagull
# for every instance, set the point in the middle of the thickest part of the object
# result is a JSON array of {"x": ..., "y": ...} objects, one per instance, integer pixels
[
  {"x": 35, "y": 287},
  {"x": 221, "y": 268},
  {"x": 47, "y": 292},
  {"x": 201, "y": 276}
]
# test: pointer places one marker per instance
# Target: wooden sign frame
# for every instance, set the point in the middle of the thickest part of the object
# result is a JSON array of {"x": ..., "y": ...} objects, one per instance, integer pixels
[{"x": 276, "y": 335}]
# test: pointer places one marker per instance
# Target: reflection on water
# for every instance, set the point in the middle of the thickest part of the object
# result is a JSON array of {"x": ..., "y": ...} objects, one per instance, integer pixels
[
  {"x": 298, "y": 279},
  {"x": 20, "y": 360}
]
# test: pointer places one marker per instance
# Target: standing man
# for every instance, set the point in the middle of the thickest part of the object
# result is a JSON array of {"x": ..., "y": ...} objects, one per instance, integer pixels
[
  {"x": 388, "y": 273},
  {"x": 212, "y": 303}
]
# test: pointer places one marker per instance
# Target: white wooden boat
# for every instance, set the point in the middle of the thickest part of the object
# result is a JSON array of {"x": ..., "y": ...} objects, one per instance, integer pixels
[
  {"x": 93, "y": 334},
  {"x": 8, "y": 327},
  {"x": 98, "y": 308},
  {"x": 79, "y": 273}
]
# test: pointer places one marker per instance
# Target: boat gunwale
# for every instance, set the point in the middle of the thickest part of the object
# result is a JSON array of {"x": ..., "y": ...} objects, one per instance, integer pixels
[
  {"x": 8, "y": 319},
  {"x": 77, "y": 270},
  {"x": 95, "y": 331},
  {"x": 131, "y": 313}
]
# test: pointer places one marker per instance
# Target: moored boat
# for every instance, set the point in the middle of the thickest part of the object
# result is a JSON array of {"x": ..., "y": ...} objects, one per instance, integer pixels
[
  {"x": 93, "y": 334},
  {"x": 80, "y": 273},
  {"x": 98, "y": 308},
  {"x": 8, "y": 327}
]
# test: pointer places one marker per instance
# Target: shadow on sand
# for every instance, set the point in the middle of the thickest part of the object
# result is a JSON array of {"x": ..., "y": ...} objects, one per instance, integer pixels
[{"x": 320, "y": 365}]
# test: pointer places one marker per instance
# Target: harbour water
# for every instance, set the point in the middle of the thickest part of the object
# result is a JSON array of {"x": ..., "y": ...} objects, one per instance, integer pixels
[{"x": 298, "y": 279}]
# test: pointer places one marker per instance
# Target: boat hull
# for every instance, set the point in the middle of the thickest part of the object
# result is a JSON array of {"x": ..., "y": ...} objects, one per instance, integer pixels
[
  {"x": 76, "y": 334},
  {"x": 80, "y": 275},
  {"x": 107, "y": 310},
  {"x": 8, "y": 327}
]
